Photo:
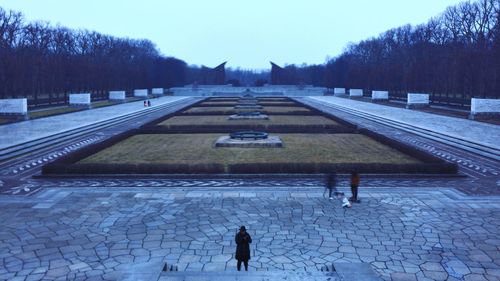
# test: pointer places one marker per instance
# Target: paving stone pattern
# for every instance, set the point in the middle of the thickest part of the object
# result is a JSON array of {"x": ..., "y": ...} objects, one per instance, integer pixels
[{"x": 405, "y": 234}]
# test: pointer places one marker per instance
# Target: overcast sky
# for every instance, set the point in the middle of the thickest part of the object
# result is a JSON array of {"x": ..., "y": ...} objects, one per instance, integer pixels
[{"x": 247, "y": 34}]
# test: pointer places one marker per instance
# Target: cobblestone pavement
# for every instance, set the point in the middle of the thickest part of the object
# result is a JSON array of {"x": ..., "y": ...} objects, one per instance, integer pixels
[{"x": 405, "y": 234}]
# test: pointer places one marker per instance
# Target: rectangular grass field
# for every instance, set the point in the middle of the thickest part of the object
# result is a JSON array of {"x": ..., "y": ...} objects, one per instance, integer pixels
[
  {"x": 211, "y": 120},
  {"x": 231, "y": 110},
  {"x": 199, "y": 149}
]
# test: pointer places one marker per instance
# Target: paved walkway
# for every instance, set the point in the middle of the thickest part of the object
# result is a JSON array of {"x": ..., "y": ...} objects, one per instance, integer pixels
[
  {"x": 404, "y": 233},
  {"x": 21, "y": 132},
  {"x": 478, "y": 132}
]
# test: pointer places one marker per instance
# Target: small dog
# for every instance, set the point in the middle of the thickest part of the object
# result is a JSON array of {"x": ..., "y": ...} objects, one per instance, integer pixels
[{"x": 346, "y": 203}]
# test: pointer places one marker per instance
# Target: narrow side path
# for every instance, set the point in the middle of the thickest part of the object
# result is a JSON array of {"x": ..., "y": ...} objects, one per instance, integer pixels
[
  {"x": 478, "y": 132},
  {"x": 21, "y": 132}
]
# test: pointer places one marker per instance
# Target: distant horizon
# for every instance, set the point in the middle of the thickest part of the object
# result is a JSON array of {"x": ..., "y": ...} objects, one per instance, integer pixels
[{"x": 247, "y": 35}]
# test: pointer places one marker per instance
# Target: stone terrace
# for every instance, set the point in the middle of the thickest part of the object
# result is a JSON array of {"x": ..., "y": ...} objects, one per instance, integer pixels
[{"x": 103, "y": 233}]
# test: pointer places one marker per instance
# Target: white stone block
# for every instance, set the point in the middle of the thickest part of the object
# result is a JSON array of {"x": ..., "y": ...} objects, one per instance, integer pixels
[
  {"x": 355, "y": 92},
  {"x": 157, "y": 91},
  {"x": 117, "y": 95},
  {"x": 418, "y": 99},
  {"x": 14, "y": 106},
  {"x": 478, "y": 106},
  {"x": 141, "y": 93},
  {"x": 79, "y": 99},
  {"x": 338, "y": 91},
  {"x": 380, "y": 95}
]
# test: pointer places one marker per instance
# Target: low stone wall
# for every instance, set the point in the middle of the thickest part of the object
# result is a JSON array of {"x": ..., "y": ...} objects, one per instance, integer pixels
[
  {"x": 380, "y": 95},
  {"x": 117, "y": 96},
  {"x": 141, "y": 93},
  {"x": 14, "y": 109},
  {"x": 484, "y": 107},
  {"x": 355, "y": 92},
  {"x": 80, "y": 100},
  {"x": 415, "y": 100},
  {"x": 157, "y": 91},
  {"x": 338, "y": 91}
]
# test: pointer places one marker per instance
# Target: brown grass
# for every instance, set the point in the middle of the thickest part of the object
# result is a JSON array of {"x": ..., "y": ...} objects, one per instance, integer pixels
[
  {"x": 231, "y": 110},
  {"x": 298, "y": 148},
  {"x": 53, "y": 111},
  {"x": 220, "y": 103},
  {"x": 223, "y": 120}
]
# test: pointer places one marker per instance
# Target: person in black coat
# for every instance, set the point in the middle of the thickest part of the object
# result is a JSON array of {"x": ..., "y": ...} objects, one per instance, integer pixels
[{"x": 243, "y": 241}]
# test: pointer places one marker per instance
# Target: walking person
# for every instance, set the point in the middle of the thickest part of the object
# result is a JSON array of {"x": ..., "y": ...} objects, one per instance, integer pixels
[
  {"x": 243, "y": 241},
  {"x": 331, "y": 185},
  {"x": 354, "y": 187}
]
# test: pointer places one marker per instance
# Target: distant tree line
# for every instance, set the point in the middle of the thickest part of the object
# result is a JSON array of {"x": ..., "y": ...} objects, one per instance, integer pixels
[
  {"x": 247, "y": 77},
  {"x": 37, "y": 59},
  {"x": 454, "y": 56}
]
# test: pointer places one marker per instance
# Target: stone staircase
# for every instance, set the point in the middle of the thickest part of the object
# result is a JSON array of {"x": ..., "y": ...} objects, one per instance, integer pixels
[
  {"x": 331, "y": 272},
  {"x": 157, "y": 271}
]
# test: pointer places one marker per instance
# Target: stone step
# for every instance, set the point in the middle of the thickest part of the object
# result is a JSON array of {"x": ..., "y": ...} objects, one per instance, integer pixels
[
  {"x": 332, "y": 272},
  {"x": 250, "y": 276},
  {"x": 154, "y": 271}
]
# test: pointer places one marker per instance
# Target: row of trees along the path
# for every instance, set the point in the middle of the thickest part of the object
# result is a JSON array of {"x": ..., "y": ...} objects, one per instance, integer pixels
[
  {"x": 44, "y": 63},
  {"x": 453, "y": 57}
]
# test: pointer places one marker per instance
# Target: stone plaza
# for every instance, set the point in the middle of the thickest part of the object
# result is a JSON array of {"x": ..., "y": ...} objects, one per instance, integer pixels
[
  {"x": 407, "y": 227},
  {"x": 93, "y": 233}
]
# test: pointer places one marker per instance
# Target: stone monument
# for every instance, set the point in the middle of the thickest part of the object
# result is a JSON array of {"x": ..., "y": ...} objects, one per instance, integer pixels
[
  {"x": 484, "y": 107},
  {"x": 249, "y": 139},
  {"x": 417, "y": 100},
  {"x": 141, "y": 93},
  {"x": 117, "y": 96},
  {"x": 380, "y": 96},
  {"x": 14, "y": 109},
  {"x": 250, "y": 115},
  {"x": 80, "y": 100}
]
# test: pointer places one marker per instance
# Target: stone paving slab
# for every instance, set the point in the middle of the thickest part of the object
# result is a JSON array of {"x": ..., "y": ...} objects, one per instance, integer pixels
[
  {"x": 478, "y": 132},
  {"x": 100, "y": 233},
  {"x": 21, "y": 132}
]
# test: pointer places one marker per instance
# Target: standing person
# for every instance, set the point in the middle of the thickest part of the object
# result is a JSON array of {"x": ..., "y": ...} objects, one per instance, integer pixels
[
  {"x": 149, "y": 103},
  {"x": 145, "y": 103},
  {"x": 354, "y": 187},
  {"x": 243, "y": 241}
]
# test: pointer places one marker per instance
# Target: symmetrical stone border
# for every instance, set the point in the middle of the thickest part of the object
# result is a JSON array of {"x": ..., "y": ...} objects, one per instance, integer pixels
[{"x": 68, "y": 164}]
